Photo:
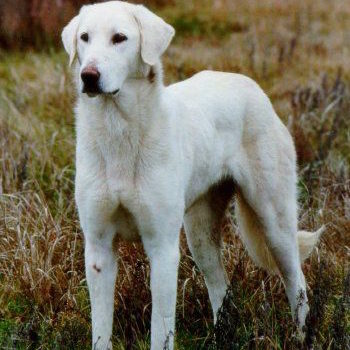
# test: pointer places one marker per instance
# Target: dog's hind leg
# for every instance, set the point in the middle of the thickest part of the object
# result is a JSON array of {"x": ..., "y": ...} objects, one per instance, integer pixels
[
  {"x": 272, "y": 243},
  {"x": 202, "y": 227},
  {"x": 267, "y": 214}
]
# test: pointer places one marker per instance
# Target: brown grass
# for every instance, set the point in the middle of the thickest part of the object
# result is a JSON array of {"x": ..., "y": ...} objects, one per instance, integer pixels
[{"x": 298, "y": 52}]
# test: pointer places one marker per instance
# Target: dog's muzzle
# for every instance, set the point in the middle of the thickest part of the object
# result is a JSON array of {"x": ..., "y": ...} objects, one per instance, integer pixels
[
  {"x": 91, "y": 82},
  {"x": 91, "y": 78}
]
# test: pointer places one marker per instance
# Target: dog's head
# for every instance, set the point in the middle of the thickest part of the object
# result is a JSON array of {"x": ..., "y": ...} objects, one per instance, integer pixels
[{"x": 113, "y": 41}]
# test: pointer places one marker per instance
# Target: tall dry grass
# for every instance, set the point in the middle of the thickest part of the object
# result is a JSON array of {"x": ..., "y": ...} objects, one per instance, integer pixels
[{"x": 298, "y": 52}]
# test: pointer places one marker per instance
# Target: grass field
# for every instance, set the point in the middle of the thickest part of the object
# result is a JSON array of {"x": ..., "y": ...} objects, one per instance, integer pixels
[{"x": 299, "y": 52}]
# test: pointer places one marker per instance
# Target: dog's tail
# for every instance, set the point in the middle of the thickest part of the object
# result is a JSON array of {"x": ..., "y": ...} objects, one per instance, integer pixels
[
  {"x": 307, "y": 241},
  {"x": 253, "y": 237}
]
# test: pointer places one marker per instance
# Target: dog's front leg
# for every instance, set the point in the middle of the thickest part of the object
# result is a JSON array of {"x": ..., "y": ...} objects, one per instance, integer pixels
[
  {"x": 101, "y": 270},
  {"x": 162, "y": 249},
  {"x": 100, "y": 267}
]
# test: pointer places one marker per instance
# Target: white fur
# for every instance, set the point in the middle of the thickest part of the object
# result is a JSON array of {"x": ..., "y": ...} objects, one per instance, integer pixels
[{"x": 147, "y": 157}]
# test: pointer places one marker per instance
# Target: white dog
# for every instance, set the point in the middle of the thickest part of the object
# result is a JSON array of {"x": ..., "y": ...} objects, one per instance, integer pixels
[{"x": 150, "y": 158}]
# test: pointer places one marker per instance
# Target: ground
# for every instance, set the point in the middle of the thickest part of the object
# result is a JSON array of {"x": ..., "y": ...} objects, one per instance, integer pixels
[{"x": 298, "y": 51}]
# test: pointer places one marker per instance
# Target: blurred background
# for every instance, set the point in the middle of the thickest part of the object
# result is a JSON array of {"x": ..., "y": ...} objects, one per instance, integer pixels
[{"x": 299, "y": 52}]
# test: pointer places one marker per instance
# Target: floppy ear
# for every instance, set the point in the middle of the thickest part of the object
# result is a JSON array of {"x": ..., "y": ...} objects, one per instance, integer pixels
[
  {"x": 155, "y": 34},
  {"x": 69, "y": 38}
]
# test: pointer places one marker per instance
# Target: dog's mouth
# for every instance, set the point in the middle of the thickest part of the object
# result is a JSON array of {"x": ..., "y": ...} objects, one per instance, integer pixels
[{"x": 98, "y": 92}]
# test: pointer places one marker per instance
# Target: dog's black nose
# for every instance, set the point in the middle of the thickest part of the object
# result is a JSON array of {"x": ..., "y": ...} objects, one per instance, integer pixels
[{"x": 90, "y": 77}]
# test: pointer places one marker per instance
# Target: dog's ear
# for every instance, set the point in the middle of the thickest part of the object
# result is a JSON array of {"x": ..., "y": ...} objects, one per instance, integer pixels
[
  {"x": 69, "y": 38},
  {"x": 156, "y": 34}
]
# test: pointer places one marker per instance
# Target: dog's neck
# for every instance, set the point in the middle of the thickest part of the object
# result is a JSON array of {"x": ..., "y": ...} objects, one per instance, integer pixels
[
  {"x": 139, "y": 95},
  {"x": 132, "y": 119},
  {"x": 136, "y": 101}
]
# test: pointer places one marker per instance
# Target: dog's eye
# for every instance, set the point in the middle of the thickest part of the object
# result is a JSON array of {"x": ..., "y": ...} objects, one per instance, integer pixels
[
  {"x": 118, "y": 38},
  {"x": 84, "y": 37}
]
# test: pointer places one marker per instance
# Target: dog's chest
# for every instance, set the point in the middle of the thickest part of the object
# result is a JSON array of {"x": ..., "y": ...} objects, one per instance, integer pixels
[
  {"x": 125, "y": 163},
  {"x": 115, "y": 189},
  {"x": 120, "y": 166},
  {"x": 117, "y": 153}
]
